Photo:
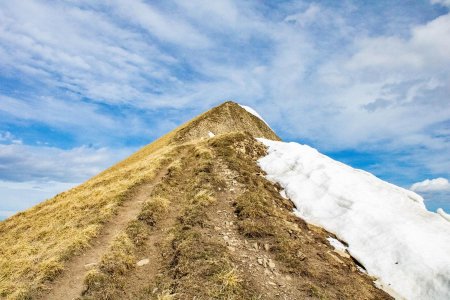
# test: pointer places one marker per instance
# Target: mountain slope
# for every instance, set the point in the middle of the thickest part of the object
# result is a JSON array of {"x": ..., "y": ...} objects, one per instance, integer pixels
[
  {"x": 388, "y": 228},
  {"x": 188, "y": 215}
]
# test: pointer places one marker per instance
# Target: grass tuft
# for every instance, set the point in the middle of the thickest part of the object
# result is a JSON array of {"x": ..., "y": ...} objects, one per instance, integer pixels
[
  {"x": 153, "y": 210},
  {"x": 104, "y": 282}
]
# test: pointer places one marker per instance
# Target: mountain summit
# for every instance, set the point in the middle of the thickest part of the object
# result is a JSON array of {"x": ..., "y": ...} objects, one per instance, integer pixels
[{"x": 190, "y": 216}]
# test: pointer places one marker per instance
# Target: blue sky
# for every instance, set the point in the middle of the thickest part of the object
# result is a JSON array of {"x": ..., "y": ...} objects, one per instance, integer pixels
[{"x": 84, "y": 84}]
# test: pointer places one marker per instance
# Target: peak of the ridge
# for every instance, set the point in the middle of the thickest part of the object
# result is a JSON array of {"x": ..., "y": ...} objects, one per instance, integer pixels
[{"x": 227, "y": 117}]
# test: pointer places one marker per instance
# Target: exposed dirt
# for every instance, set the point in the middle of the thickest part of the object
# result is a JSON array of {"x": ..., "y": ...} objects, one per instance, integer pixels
[
  {"x": 70, "y": 284},
  {"x": 251, "y": 257},
  {"x": 142, "y": 277},
  {"x": 282, "y": 258},
  {"x": 279, "y": 254},
  {"x": 206, "y": 247}
]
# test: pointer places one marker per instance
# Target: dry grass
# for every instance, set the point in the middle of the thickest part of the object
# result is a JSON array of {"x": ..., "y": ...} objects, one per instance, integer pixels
[
  {"x": 266, "y": 217},
  {"x": 36, "y": 244},
  {"x": 107, "y": 279},
  {"x": 165, "y": 295},
  {"x": 196, "y": 263},
  {"x": 153, "y": 210},
  {"x": 104, "y": 281}
]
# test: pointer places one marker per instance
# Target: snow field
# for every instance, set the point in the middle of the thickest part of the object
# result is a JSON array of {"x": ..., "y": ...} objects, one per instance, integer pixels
[{"x": 387, "y": 228}]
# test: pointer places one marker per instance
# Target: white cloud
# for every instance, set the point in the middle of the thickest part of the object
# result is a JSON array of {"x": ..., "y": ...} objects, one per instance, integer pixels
[
  {"x": 431, "y": 185},
  {"x": 17, "y": 196},
  {"x": 306, "y": 17},
  {"x": 168, "y": 28},
  {"x": 8, "y": 137},
  {"x": 316, "y": 73},
  {"x": 44, "y": 164},
  {"x": 81, "y": 50},
  {"x": 441, "y": 2}
]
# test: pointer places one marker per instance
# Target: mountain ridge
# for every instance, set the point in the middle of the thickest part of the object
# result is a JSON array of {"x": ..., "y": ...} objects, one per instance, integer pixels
[{"x": 229, "y": 235}]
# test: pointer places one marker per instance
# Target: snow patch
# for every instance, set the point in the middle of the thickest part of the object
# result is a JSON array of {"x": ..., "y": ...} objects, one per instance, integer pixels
[
  {"x": 336, "y": 244},
  {"x": 339, "y": 248},
  {"x": 443, "y": 214},
  {"x": 253, "y": 112},
  {"x": 387, "y": 228},
  {"x": 283, "y": 194},
  {"x": 361, "y": 269}
]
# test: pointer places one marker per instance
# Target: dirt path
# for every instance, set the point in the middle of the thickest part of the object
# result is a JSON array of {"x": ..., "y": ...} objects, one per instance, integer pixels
[
  {"x": 70, "y": 284},
  {"x": 252, "y": 258},
  {"x": 145, "y": 276}
]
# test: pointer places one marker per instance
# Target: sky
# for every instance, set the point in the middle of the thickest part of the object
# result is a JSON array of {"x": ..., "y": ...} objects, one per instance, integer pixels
[{"x": 83, "y": 84}]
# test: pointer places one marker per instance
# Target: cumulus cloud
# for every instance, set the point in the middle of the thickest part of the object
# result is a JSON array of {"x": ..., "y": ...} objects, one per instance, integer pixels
[{"x": 431, "y": 185}]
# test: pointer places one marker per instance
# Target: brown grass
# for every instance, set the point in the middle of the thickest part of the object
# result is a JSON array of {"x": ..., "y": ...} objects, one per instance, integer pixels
[
  {"x": 104, "y": 281},
  {"x": 194, "y": 263},
  {"x": 301, "y": 248},
  {"x": 153, "y": 210},
  {"x": 35, "y": 244}
]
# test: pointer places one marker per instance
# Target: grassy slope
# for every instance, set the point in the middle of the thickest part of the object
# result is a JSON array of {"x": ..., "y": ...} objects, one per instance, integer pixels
[
  {"x": 35, "y": 244},
  {"x": 194, "y": 260}
]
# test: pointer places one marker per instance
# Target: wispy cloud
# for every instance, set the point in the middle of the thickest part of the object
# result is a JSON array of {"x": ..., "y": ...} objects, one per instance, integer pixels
[
  {"x": 40, "y": 163},
  {"x": 6, "y": 138},
  {"x": 441, "y": 2},
  {"x": 343, "y": 76}
]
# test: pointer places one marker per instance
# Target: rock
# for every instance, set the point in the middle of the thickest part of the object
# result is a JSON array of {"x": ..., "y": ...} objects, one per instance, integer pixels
[
  {"x": 255, "y": 245},
  {"x": 216, "y": 228},
  {"x": 301, "y": 255},
  {"x": 271, "y": 283},
  {"x": 288, "y": 278},
  {"x": 231, "y": 248},
  {"x": 226, "y": 238},
  {"x": 336, "y": 258},
  {"x": 271, "y": 264},
  {"x": 267, "y": 272},
  {"x": 266, "y": 247},
  {"x": 260, "y": 260},
  {"x": 143, "y": 262},
  {"x": 90, "y": 266}
]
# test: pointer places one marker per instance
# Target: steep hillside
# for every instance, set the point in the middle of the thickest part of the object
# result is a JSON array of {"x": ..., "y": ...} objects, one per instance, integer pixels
[{"x": 190, "y": 215}]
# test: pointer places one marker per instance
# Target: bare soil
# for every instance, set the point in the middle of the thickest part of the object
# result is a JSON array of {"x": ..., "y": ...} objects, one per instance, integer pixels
[{"x": 138, "y": 281}]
